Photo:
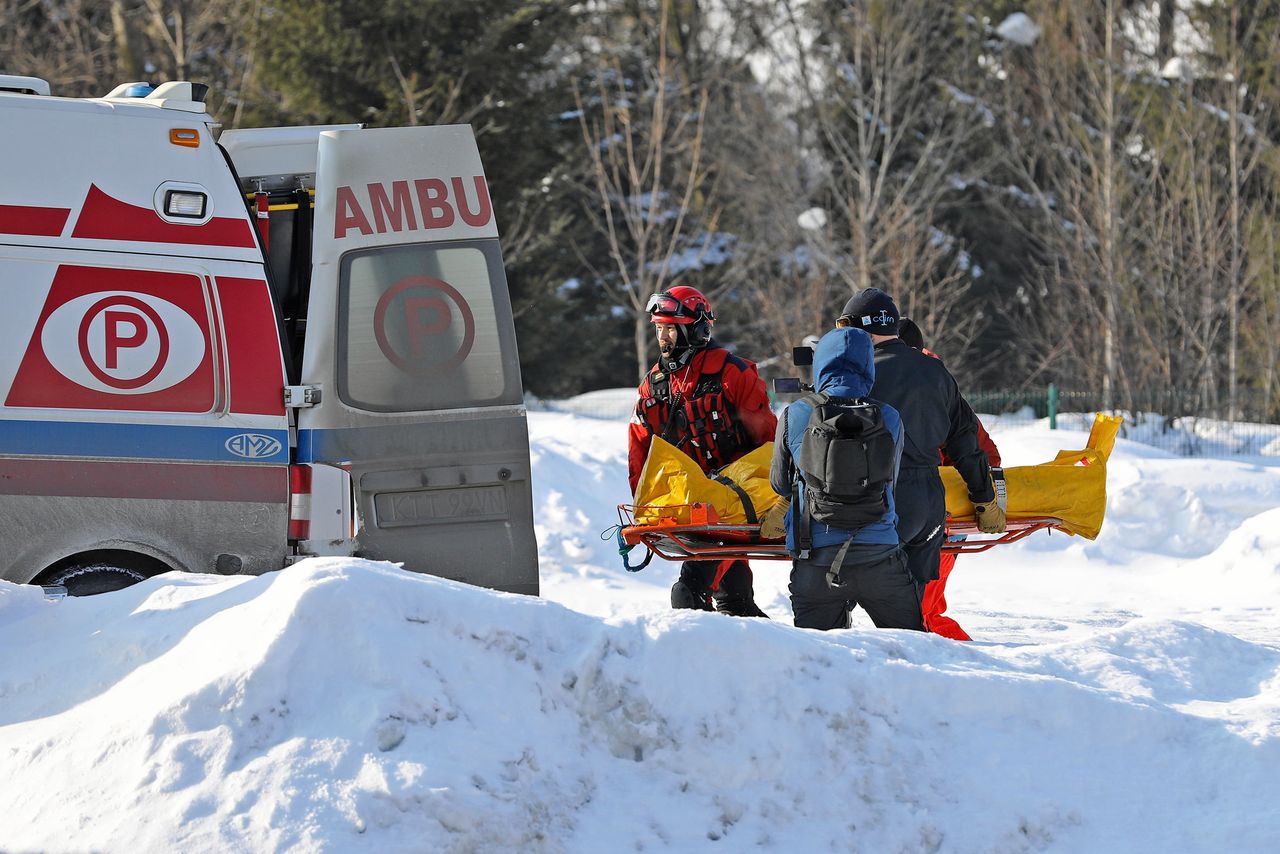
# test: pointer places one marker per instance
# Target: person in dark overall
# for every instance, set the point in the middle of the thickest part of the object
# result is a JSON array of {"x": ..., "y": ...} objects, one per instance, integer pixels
[
  {"x": 934, "y": 417},
  {"x": 933, "y": 603},
  {"x": 714, "y": 407},
  {"x": 836, "y": 568}
]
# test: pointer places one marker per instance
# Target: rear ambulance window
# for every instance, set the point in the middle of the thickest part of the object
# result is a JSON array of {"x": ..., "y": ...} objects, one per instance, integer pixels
[{"x": 426, "y": 327}]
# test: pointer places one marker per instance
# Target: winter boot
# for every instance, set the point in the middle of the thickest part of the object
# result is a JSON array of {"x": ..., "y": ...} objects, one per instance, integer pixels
[
  {"x": 739, "y": 606},
  {"x": 684, "y": 596},
  {"x": 733, "y": 590}
]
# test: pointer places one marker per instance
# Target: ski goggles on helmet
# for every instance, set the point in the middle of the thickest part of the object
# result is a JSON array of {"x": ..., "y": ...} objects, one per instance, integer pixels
[{"x": 668, "y": 309}]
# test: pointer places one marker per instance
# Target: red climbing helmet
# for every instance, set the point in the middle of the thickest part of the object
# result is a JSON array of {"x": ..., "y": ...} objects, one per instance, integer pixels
[
  {"x": 680, "y": 304},
  {"x": 686, "y": 307}
]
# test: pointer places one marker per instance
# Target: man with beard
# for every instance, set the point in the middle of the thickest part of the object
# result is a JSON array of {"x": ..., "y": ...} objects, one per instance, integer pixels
[{"x": 713, "y": 406}]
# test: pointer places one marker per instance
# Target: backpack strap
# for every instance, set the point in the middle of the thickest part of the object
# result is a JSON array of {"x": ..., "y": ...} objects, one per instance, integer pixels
[
  {"x": 804, "y": 535},
  {"x": 703, "y": 415},
  {"x": 660, "y": 396},
  {"x": 833, "y": 571},
  {"x": 659, "y": 384},
  {"x": 747, "y": 505},
  {"x": 814, "y": 398},
  {"x": 804, "y": 529},
  {"x": 714, "y": 430}
]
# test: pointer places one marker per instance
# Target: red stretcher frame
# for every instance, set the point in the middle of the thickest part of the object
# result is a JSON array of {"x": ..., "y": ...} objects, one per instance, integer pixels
[{"x": 704, "y": 537}]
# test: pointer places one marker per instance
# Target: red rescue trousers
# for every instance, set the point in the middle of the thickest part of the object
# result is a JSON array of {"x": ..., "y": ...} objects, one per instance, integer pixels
[{"x": 934, "y": 602}]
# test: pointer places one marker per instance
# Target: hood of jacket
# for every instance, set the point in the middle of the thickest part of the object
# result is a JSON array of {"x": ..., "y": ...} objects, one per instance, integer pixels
[{"x": 844, "y": 363}]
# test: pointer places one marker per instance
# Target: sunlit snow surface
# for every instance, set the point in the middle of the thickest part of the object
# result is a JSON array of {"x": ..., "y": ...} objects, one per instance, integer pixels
[{"x": 1120, "y": 695}]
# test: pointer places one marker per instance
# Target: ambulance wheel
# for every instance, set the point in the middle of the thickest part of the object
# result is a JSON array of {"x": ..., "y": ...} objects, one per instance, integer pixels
[{"x": 91, "y": 579}]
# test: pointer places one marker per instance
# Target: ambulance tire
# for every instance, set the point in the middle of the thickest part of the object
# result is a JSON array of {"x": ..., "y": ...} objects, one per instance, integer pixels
[{"x": 91, "y": 579}]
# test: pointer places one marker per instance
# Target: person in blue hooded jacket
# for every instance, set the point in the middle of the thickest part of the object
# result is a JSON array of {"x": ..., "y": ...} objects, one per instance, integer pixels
[{"x": 870, "y": 567}]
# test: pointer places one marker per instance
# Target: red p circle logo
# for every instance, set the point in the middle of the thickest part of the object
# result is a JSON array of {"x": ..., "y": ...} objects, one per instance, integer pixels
[
  {"x": 123, "y": 342},
  {"x": 416, "y": 324}
]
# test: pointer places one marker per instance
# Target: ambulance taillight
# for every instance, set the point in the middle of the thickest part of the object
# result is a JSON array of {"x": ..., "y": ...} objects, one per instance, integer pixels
[{"x": 299, "y": 502}]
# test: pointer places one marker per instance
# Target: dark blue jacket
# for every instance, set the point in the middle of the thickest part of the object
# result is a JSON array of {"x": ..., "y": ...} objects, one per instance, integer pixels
[
  {"x": 934, "y": 415},
  {"x": 843, "y": 366}
]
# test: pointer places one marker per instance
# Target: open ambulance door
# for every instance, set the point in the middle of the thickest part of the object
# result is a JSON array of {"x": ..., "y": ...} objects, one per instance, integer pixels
[{"x": 411, "y": 347}]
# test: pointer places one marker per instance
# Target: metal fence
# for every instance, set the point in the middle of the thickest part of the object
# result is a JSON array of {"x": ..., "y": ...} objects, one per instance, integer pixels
[{"x": 1182, "y": 423}]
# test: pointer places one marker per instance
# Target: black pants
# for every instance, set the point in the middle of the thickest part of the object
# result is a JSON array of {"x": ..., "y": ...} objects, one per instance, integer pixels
[
  {"x": 879, "y": 583},
  {"x": 733, "y": 596},
  {"x": 921, "y": 502}
]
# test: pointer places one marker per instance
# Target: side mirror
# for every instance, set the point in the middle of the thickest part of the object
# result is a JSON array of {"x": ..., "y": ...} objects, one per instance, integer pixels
[{"x": 802, "y": 357}]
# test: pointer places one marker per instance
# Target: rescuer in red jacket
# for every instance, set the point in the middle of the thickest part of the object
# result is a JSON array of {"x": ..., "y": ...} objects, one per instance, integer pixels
[
  {"x": 713, "y": 406},
  {"x": 933, "y": 602}
]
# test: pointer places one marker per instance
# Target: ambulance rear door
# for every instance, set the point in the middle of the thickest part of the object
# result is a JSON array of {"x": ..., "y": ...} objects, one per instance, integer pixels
[{"x": 411, "y": 349}]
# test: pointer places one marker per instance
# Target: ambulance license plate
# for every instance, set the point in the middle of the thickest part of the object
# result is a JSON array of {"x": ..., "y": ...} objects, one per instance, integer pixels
[{"x": 433, "y": 506}]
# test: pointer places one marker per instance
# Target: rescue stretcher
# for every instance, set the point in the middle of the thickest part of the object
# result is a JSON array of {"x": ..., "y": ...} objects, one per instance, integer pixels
[
  {"x": 704, "y": 537},
  {"x": 680, "y": 514}
]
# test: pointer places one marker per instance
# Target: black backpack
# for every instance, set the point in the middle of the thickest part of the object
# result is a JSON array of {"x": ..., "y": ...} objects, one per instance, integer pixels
[{"x": 846, "y": 459}]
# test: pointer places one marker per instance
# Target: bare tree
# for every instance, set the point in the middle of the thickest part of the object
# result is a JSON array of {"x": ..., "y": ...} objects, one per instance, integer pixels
[
  {"x": 1233, "y": 149},
  {"x": 896, "y": 138},
  {"x": 86, "y": 48},
  {"x": 785, "y": 262},
  {"x": 1187, "y": 259},
  {"x": 67, "y": 43},
  {"x": 204, "y": 41},
  {"x": 653, "y": 200},
  {"x": 1261, "y": 330},
  {"x": 1080, "y": 157}
]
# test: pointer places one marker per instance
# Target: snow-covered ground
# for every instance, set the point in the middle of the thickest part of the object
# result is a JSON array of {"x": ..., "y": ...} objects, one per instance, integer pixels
[{"x": 1120, "y": 695}]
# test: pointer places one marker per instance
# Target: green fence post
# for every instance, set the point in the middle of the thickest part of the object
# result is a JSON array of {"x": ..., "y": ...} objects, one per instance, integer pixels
[{"x": 1053, "y": 407}]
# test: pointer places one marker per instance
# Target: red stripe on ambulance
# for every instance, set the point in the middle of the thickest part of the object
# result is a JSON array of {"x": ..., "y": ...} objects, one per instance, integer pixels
[
  {"x": 131, "y": 340},
  {"x": 33, "y": 220},
  {"x": 253, "y": 346},
  {"x": 106, "y": 218},
  {"x": 421, "y": 205},
  {"x": 166, "y": 481}
]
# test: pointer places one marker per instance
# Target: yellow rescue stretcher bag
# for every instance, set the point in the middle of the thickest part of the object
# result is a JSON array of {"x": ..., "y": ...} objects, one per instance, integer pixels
[
  {"x": 1072, "y": 487},
  {"x": 670, "y": 482}
]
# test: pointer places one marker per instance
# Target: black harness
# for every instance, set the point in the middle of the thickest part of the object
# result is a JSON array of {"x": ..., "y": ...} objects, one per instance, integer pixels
[{"x": 705, "y": 424}]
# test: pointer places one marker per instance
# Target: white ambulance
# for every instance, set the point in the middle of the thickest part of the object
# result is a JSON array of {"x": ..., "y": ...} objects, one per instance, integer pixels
[{"x": 187, "y": 386}]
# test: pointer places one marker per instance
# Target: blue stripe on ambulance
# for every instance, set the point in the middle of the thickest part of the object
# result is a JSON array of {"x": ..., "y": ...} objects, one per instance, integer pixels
[
  {"x": 316, "y": 446},
  {"x": 323, "y": 446},
  {"x": 143, "y": 441},
  {"x": 307, "y": 445}
]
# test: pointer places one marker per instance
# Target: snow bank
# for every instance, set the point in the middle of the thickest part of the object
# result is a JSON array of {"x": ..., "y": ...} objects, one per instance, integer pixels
[
  {"x": 17, "y": 601},
  {"x": 1121, "y": 695},
  {"x": 352, "y": 706}
]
